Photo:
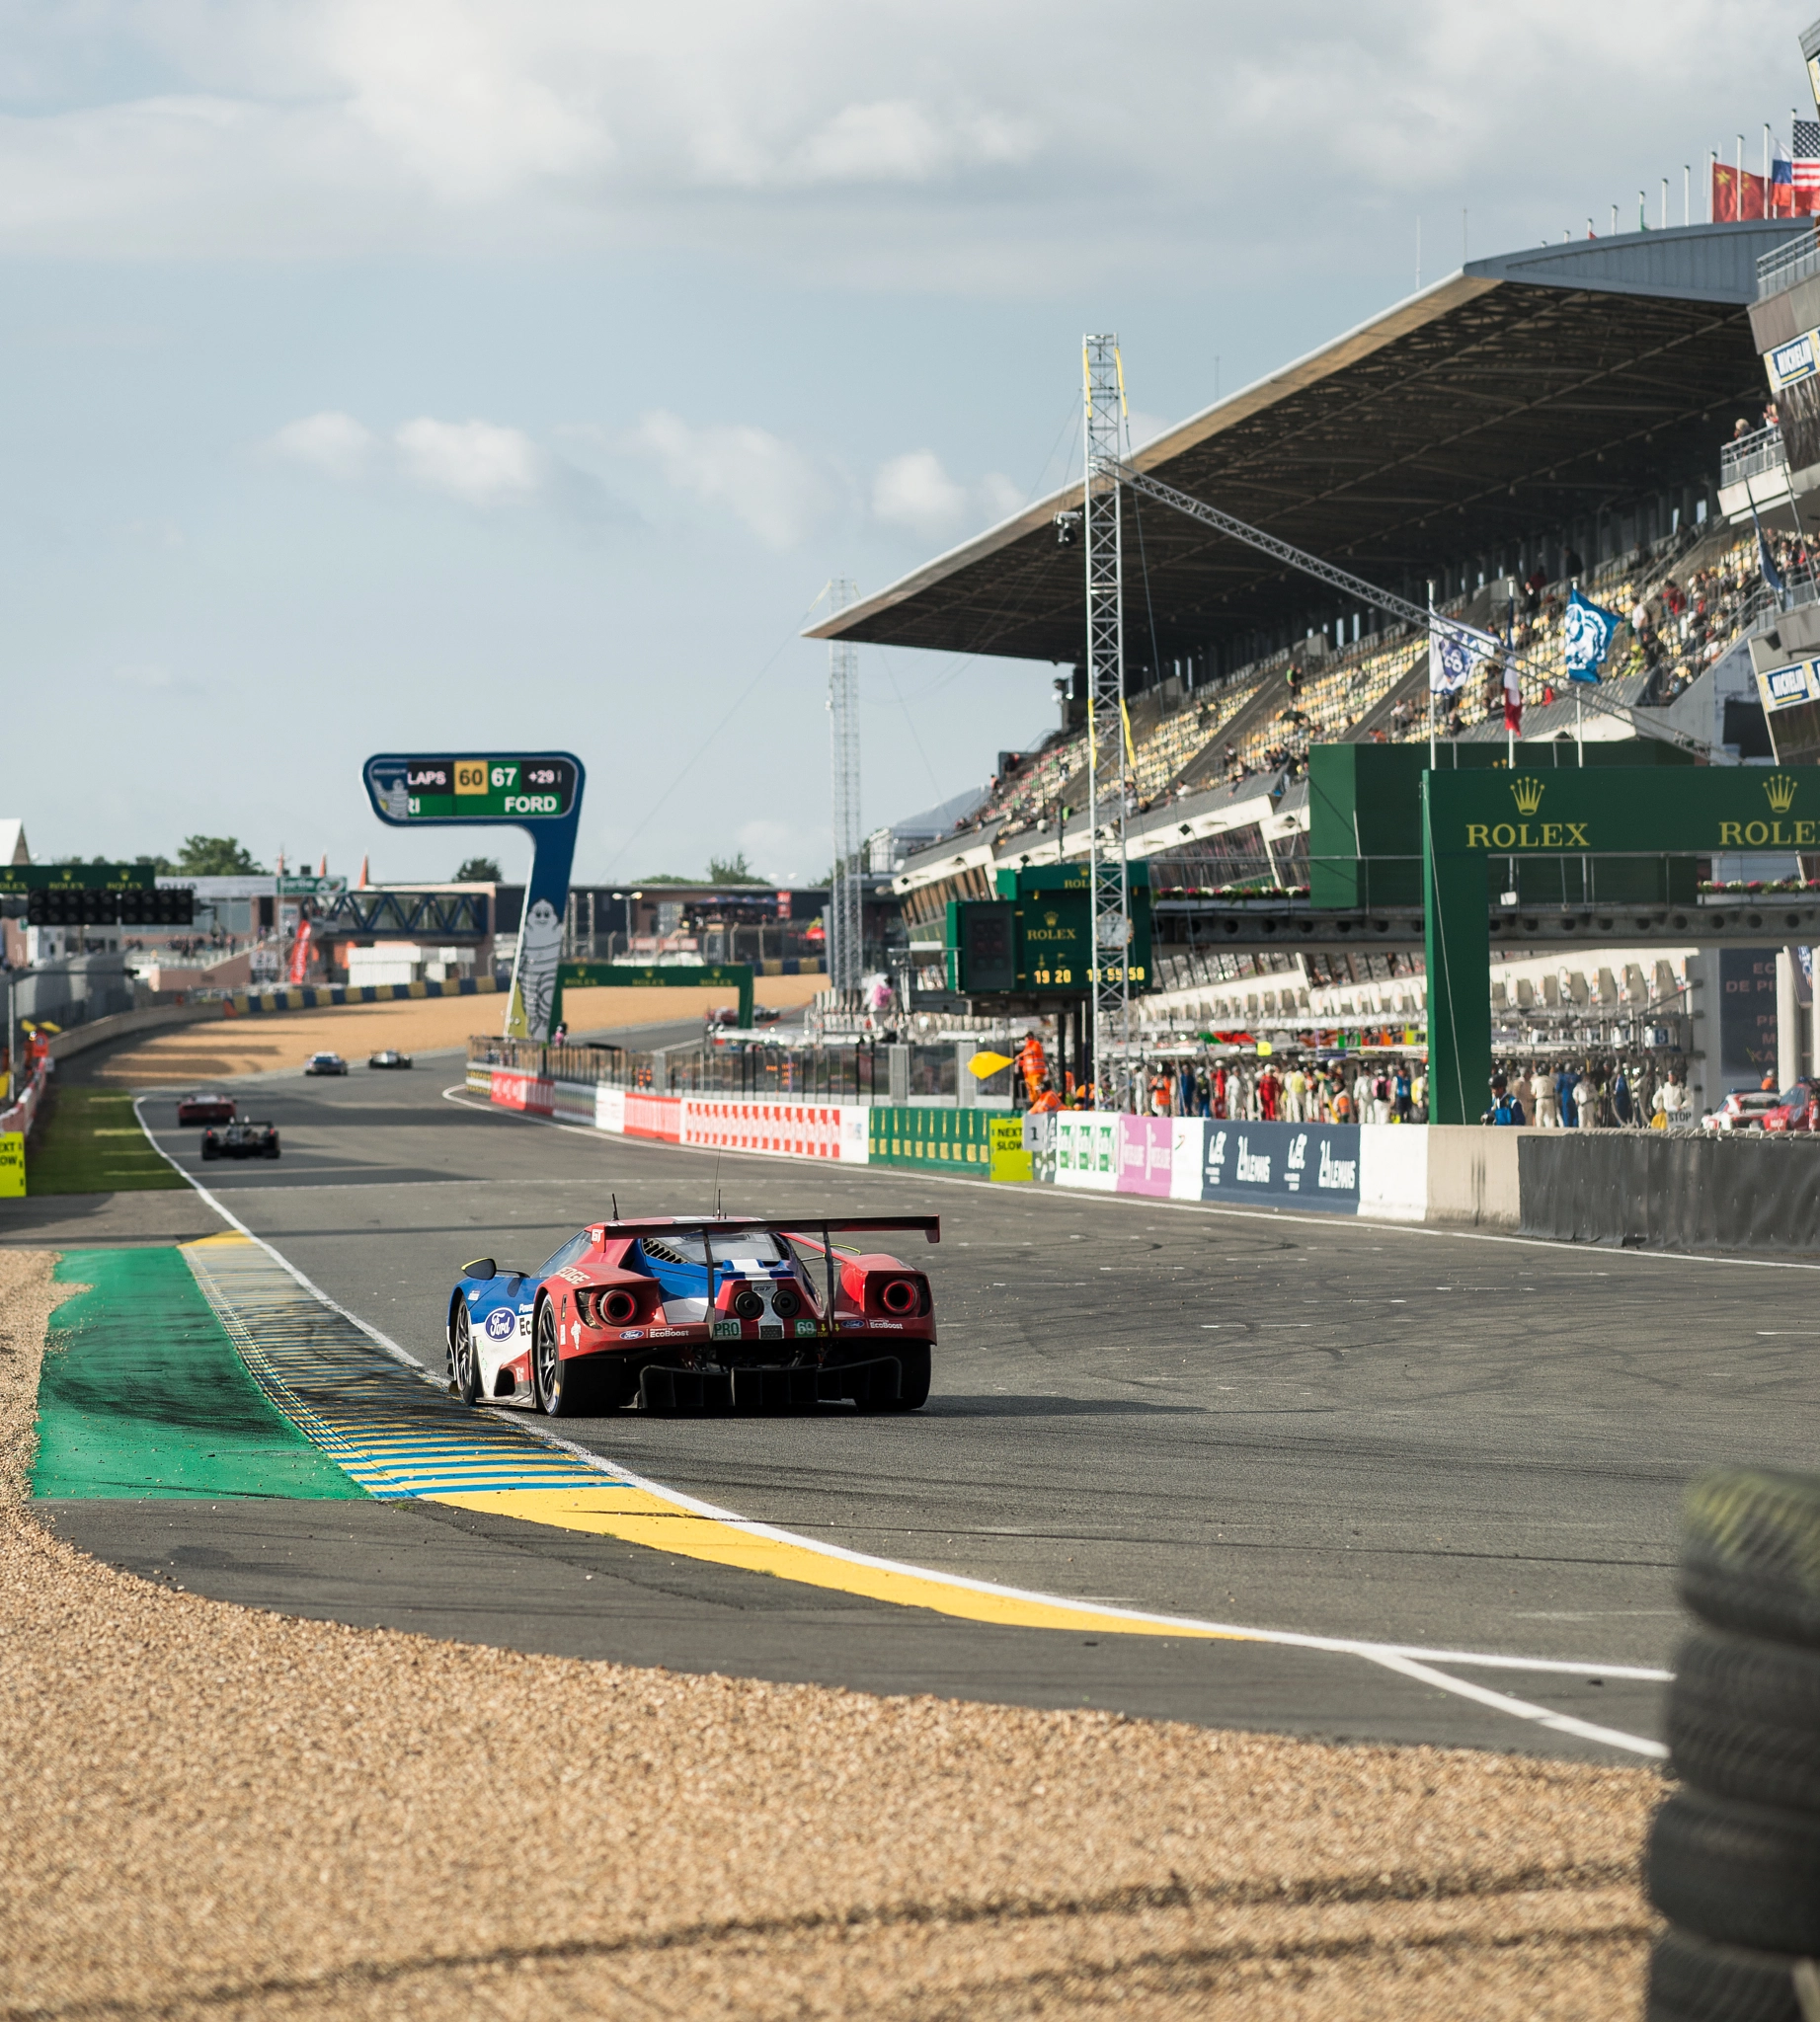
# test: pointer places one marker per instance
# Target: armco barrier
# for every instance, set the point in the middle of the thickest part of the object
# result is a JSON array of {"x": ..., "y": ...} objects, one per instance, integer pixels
[{"x": 953, "y": 1140}]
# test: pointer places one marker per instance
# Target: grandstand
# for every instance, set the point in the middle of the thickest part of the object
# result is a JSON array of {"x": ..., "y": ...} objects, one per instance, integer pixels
[{"x": 1532, "y": 422}]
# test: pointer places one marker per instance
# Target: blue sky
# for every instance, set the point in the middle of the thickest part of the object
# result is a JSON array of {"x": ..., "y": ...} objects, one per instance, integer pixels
[{"x": 415, "y": 374}]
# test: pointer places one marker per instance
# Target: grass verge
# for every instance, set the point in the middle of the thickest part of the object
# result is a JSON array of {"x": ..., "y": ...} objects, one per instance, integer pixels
[{"x": 89, "y": 1141}]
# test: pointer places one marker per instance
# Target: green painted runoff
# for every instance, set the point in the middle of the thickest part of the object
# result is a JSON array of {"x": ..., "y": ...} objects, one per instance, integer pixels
[{"x": 142, "y": 1394}]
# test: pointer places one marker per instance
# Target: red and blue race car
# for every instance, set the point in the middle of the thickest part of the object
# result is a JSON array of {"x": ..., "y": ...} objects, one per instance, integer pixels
[{"x": 712, "y": 1313}]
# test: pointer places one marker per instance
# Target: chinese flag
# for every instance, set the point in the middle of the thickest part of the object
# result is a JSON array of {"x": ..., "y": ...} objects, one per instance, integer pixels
[
  {"x": 1751, "y": 195},
  {"x": 1724, "y": 194}
]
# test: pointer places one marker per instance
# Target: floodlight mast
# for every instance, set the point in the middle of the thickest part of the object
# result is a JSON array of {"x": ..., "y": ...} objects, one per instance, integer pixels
[
  {"x": 1108, "y": 891},
  {"x": 1588, "y": 693},
  {"x": 845, "y": 947}
]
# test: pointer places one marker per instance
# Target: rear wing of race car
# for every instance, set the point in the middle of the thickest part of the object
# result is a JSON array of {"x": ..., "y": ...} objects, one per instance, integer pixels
[{"x": 712, "y": 1225}]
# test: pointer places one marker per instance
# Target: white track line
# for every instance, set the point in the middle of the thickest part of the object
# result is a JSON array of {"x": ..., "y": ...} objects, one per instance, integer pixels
[{"x": 1412, "y": 1661}]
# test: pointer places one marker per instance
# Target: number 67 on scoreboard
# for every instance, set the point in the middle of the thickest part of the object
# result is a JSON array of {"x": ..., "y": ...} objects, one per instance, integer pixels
[{"x": 541, "y": 792}]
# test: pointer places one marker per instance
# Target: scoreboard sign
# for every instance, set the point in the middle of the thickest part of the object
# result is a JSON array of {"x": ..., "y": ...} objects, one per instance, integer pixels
[
  {"x": 515, "y": 789},
  {"x": 539, "y": 792}
]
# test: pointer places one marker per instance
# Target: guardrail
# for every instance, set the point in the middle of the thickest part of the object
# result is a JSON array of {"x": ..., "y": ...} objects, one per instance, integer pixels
[
  {"x": 1749, "y": 456},
  {"x": 1790, "y": 263}
]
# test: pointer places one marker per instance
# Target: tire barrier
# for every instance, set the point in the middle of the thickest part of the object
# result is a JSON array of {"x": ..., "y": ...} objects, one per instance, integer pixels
[{"x": 1733, "y": 1860}]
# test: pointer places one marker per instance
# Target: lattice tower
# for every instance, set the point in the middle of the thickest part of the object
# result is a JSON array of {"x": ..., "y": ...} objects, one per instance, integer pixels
[
  {"x": 845, "y": 947},
  {"x": 1108, "y": 783}
]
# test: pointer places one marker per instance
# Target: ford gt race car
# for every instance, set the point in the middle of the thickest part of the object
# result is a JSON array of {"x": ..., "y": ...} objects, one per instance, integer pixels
[{"x": 717, "y": 1313}]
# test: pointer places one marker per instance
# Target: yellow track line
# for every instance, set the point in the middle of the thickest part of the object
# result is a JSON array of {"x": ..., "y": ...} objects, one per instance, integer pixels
[{"x": 637, "y": 1515}]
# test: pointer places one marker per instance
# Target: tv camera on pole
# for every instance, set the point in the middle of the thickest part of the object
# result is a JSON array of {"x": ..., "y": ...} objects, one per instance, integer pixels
[{"x": 538, "y": 792}]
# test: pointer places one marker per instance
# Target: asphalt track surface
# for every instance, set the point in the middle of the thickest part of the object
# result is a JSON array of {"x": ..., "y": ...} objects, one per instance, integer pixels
[{"x": 1316, "y": 1426}]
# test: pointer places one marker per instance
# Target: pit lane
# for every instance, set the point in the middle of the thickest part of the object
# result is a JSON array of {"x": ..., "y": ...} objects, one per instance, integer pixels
[{"x": 1339, "y": 1429}]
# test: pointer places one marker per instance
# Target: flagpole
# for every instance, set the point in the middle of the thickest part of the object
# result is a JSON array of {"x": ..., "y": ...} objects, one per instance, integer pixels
[{"x": 1431, "y": 673}]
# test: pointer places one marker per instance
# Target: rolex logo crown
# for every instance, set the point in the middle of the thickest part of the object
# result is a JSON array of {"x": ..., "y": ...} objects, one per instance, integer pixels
[
  {"x": 1780, "y": 789},
  {"x": 1526, "y": 793}
]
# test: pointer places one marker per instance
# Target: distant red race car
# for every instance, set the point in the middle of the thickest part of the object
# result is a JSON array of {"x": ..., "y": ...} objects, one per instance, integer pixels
[
  {"x": 200, "y": 1107},
  {"x": 1797, "y": 1109},
  {"x": 721, "y": 1314}
]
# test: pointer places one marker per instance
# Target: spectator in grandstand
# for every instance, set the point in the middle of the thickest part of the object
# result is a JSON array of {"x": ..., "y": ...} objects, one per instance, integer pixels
[
  {"x": 1572, "y": 568},
  {"x": 1269, "y": 1088},
  {"x": 1220, "y": 1091}
]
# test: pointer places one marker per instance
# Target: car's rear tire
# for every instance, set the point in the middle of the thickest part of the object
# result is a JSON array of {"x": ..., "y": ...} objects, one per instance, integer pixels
[
  {"x": 463, "y": 1359},
  {"x": 553, "y": 1387},
  {"x": 913, "y": 1374}
]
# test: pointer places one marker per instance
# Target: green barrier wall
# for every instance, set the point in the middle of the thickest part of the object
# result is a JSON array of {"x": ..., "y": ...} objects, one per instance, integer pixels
[
  {"x": 987, "y": 1144},
  {"x": 954, "y": 1140}
]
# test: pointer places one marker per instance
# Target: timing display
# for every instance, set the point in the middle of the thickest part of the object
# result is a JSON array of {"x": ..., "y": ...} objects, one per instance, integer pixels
[{"x": 514, "y": 788}]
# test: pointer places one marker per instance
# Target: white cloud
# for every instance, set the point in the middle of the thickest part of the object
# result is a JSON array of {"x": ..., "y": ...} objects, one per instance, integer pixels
[
  {"x": 332, "y": 442},
  {"x": 914, "y": 492},
  {"x": 777, "y": 492},
  {"x": 477, "y": 462},
  {"x": 942, "y": 138},
  {"x": 895, "y": 140}
]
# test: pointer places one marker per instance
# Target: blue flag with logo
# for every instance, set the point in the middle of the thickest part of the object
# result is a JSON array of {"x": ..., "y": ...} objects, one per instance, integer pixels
[
  {"x": 1586, "y": 637},
  {"x": 1454, "y": 650}
]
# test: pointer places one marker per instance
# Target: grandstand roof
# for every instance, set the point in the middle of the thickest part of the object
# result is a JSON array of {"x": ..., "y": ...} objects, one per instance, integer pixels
[{"x": 1519, "y": 395}]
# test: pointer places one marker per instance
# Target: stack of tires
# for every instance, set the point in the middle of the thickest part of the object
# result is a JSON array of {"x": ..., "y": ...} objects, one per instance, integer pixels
[{"x": 1734, "y": 1855}]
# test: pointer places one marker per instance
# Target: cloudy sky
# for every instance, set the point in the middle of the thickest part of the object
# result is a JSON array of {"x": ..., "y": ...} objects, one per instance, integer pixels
[{"x": 426, "y": 374}]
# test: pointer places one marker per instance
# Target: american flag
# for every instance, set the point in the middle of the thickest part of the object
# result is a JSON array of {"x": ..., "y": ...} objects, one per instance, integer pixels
[{"x": 1806, "y": 165}]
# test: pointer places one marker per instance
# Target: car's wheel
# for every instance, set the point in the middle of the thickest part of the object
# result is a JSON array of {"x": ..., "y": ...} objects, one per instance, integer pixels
[
  {"x": 912, "y": 1378},
  {"x": 551, "y": 1382},
  {"x": 463, "y": 1357}
]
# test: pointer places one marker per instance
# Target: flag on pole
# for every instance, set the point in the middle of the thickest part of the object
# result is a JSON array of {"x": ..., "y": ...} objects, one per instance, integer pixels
[
  {"x": 1737, "y": 193},
  {"x": 1807, "y": 166},
  {"x": 1513, "y": 696},
  {"x": 1454, "y": 649},
  {"x": 1781, "y": 183},
  {"x": 1586, "y": 636},
  {"x": 1772, "y": 581}
]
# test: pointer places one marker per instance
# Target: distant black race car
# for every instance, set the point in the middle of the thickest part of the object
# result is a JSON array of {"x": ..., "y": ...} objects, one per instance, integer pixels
[
  {"x": 244, "y": 1139},
  {"x": 386, "y": 1057},
  {"x": 201, "y": 1107},
  {"x": 325, "y": 1063}
]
